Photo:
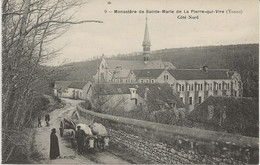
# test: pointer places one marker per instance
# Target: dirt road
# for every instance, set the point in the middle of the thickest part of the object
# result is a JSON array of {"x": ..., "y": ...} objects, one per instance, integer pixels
[{"x": 68, "y": 155}]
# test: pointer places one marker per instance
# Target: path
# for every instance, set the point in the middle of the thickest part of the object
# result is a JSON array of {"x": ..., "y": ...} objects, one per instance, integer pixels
[{"x": 68, "y": 155}]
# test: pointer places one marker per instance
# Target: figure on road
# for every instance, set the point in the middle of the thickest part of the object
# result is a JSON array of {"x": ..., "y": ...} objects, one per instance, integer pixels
[
  {"x": 80, "y": 136},
  {"x": 47, "y": 119},
  {"x": 54, "y": 145},
  {"x": 39, "y": 121}
]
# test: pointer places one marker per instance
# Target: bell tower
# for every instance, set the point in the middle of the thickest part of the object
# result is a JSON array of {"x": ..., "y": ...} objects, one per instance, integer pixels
[{"x": 146, "y": 44}]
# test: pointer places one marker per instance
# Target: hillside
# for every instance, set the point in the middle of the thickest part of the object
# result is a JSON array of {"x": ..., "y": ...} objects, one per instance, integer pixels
[
  {"x": 243, "y": 58},
  {"x": 82, "y": 70}
]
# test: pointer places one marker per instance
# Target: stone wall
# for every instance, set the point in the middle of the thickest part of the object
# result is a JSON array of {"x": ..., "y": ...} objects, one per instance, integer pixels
[{"x": 162, "y": 143}]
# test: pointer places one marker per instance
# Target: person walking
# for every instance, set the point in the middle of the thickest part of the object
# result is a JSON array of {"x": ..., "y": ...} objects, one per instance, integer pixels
[
  {"x": 39, "y": 121},
  {"x": 80, "y": 136},
  {"x": 54, "y": 145},
  {"x": 47, "y": 119}
]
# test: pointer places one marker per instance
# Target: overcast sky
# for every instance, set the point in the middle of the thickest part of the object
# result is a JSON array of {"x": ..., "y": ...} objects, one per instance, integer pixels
[{"x": 123, "y": 33}]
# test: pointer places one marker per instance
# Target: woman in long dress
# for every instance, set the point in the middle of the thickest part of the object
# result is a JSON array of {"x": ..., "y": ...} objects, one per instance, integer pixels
[{"x": 54, "y": 146}]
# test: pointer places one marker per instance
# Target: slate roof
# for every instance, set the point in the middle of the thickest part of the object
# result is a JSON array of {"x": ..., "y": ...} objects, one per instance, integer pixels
[
  {"x": 151, "y": 73},
  {"x": 135, "y": 65},
  {"x": 154, "y": 92},
  {"x": 122, "y": 73},
  {"x": 62, "y": 85},
  {"x": 169, "y": 65},
  {"x": 78, "y": 85},
  {"x": 197, "y": 74},
  {"x": 238, "y": 110}
]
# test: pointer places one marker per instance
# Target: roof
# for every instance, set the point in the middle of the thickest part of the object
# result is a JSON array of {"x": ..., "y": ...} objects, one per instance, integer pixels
[
  {"x": 122, "y": 73},
  {"x": 62, "y": 85},
  {"x": 154, "y": 92},
  {"x": 197, "y": 74},
  {"x": 151, "y": 73},
  {"x": 78, "y": 85},
  {"x": 238, "y": 110},
  {"x": 128, "y": 64},
  {"x": 169, "y": 65}
]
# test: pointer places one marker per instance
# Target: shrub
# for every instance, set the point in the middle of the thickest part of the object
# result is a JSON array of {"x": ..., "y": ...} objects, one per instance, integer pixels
[{"x": 87, "y": 105}]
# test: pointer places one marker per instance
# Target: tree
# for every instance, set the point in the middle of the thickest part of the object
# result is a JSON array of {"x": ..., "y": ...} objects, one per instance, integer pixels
[{"x": 29, "y": 26}]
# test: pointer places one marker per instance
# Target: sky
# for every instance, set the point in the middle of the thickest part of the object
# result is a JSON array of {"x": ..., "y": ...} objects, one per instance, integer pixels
[{"x": 124, "y": 32}]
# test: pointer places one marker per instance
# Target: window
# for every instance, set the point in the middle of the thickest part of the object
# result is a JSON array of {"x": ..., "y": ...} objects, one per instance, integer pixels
[
  {"x": 142, "y": 81},
  {"x": 207, "y": 87},
  {"x": 190, "y": 100},
  {"x": 201, "y": 86},
  {"x": 219, "y": 86},
  {"x": 210, "y": 111},
  {"x": 228, "y": 86},
  {"x": 199, "y": 99},
  {"x": 181, "y": 99},
  {"x": 216, "y": 86},
  {"x": 210, "y": 86},
  {"x": 165, "y": 77},
  {"x": 152, "y": 81},
  {"x": 182, "y": 87},
  {"x": 135, "y": 101},
  {"x": 147, "y": 81},
  {"x": 191, "y": 87}
]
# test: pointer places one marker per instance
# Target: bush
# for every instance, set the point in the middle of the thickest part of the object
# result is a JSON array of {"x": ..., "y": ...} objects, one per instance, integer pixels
[
  {"x": 87, "y": 105},
  {"x": 56, "y": 99}
]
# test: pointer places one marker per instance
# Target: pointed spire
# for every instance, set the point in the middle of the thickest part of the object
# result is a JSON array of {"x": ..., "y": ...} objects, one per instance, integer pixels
[{"x": 146, "y": 41}]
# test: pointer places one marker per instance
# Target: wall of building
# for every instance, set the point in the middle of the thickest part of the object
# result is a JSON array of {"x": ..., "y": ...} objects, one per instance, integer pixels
[
  {"x": 75, "y": 93},
  {"x": 161, "y": 79},
  {"x": 119, "y": 102},
  {"x": 185, "y": 93},
  {"x": 162, "y": 143}
]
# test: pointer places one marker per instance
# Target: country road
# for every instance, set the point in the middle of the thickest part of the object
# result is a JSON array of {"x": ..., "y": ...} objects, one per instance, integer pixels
[{"x": 68, "y": 154}]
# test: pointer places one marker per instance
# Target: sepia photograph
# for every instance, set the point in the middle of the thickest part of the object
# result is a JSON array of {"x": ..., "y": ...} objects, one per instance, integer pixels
[{"x": 130, "y": 82}]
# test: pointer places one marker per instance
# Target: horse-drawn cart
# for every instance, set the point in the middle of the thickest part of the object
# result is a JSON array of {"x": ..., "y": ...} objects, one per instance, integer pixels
[
  {"x": 96, "y": 135},
  {"x": 66, "y": 123}
]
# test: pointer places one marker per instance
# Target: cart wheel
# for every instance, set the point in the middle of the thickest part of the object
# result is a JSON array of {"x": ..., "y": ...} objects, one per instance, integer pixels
[{"x": 73, "y": 144}]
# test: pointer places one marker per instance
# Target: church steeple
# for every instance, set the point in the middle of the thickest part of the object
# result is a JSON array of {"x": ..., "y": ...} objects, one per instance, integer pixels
[{"x": 146, "y": 44}]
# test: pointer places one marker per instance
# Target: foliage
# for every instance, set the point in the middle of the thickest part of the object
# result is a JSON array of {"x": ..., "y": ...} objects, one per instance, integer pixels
[
  {"x": 86, "y": 105},
  {"x": 241, "y": 115},
  {"x": 28, "y": 29}
]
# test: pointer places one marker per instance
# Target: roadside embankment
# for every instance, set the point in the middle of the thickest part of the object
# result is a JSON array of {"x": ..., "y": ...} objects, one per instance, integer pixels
[{"x": 163, "y": 143}]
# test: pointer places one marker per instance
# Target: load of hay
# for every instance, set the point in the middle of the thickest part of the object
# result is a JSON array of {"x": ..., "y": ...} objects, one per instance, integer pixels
[{"x": 98, "y": 129}]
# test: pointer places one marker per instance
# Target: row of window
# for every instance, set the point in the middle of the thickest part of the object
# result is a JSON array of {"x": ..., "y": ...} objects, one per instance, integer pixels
[
  {"x": 191, "y": 100},
  {"x": 147, "y": 81},
  {"x": 200, "y": 87},
  {"x": 122, "y": 80},
  {"x": 131, "y": 81}
]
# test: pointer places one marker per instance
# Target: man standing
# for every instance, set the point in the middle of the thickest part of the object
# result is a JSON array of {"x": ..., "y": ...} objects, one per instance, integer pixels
[
  {"x": 39, "y": 121},
  {"x": 80, "y": 136},
  {"x": 54, "y": 145},
  {"x": 47, "y": 119}
]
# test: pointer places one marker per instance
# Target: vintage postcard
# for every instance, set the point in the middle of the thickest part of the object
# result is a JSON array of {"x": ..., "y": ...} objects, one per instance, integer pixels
[{"x": 130, "y": 82}]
